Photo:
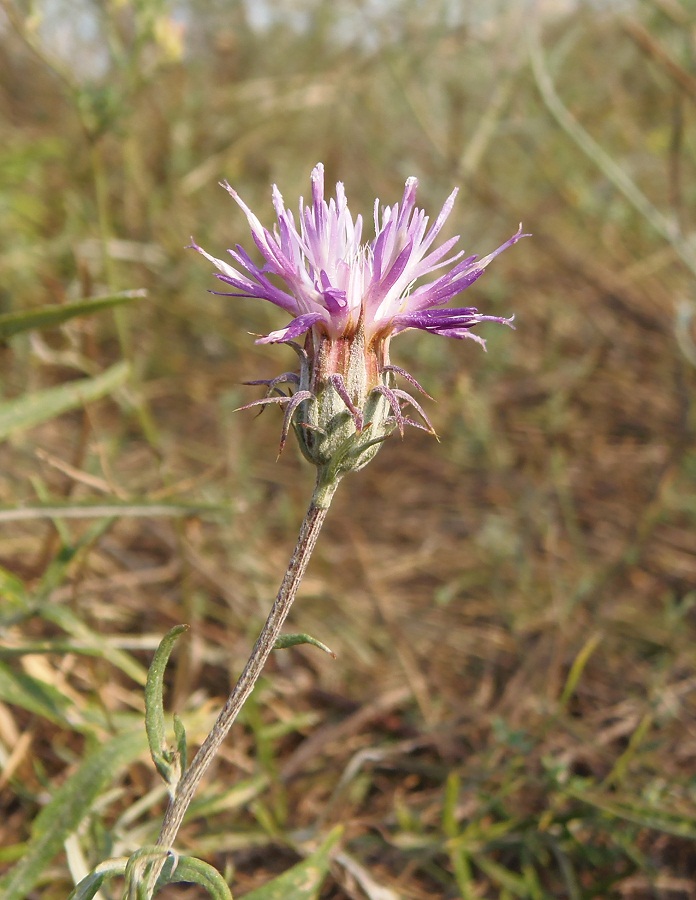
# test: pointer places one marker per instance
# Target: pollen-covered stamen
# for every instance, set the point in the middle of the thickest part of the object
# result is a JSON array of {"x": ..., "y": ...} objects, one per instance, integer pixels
[
  {"x": 402, "y": 395},
  {"x": 339, "y": 386},
  {"x": 397, "y": 370},
  {"x": 393, "y": 401},
  {"x": 297, "y": 398}
]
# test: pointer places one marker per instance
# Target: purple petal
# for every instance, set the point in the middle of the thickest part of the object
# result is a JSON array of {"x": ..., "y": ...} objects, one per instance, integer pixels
[
  {"x": 441, "y": 219},
  {"x": 297, "y": 327},
  {"x": 397, "y": 268},
  {"x": 458, "y": 279},
  {"x": 447, "y": 322},
  {"x": 335, "y": 300}
]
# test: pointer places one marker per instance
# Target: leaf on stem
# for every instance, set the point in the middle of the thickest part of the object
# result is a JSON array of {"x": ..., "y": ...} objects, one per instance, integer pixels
[
  {"x": 168, "y": 763},
  {"x": 192, "y": 870},
  {"x": 175, "y": 870},
  {"x": 291, "y": 640},
  {"x": 89, "y": 886}
]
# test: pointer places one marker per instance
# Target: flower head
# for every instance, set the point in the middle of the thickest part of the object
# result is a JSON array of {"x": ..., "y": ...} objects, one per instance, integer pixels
[{"x": 349, "y": 298}]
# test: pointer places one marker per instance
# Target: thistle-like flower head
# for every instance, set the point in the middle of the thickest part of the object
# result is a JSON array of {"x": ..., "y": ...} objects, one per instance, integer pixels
[{"x": 349, "y": 297}]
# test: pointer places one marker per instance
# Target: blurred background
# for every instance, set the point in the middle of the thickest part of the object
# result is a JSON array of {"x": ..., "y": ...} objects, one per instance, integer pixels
[{"x": 511, "y": 713}]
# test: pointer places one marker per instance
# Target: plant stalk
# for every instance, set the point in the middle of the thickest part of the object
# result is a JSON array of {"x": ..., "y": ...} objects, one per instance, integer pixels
[{"x": 186, "y": 788}]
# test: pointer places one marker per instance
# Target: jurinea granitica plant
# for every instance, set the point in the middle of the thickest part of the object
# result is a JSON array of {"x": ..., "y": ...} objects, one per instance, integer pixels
[{"x": 346, "y": 299}]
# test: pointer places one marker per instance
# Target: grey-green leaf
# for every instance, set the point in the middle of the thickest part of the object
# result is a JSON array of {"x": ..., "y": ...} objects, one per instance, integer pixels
[
  {"x": 41, "y": 406},
  {"x": 292, "y": 640},
  {"x": 190, "y": 869},
  {"x": 180, "y": 737},
  {"x": 50, "y": 316},
  {"x": 163, "y": 759},
  {"x": 89, "y": 886}
]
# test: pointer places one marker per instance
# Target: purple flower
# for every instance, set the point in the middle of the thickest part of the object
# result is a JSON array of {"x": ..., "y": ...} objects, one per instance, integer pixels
[
  {"x": 332, "y": 280},
  {"x": 349, "y": 298}
]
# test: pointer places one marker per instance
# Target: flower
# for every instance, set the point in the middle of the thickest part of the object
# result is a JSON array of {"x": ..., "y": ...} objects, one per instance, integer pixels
[{"x": 349, "y": 298}]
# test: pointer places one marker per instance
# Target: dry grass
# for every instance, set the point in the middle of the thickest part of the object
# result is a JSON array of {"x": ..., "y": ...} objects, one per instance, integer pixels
[{"x": 511, "y": 713}]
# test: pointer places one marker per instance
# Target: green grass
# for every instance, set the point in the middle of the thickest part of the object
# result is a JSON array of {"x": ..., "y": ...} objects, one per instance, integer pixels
[{"x": 512, "y": 607}]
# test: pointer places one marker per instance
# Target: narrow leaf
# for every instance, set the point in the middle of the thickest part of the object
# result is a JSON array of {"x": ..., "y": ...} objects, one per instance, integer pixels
[
  {"x": 303, "y": 881},
  {"x": 291, "y": 640},
  {"x": 139, "y": 866},
  {"x": 190, "y": 869},
  {"x": 67, "y": 808},
  {"x": 41, "y": 406},
  {"x": 164, "y": 760},
  {"x": 89, "y": 886},
  {"x": 50, "y": 316},
  {"x": 180, "y": 737}
]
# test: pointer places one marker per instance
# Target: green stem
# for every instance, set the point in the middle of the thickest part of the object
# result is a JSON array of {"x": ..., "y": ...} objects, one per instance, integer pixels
[{"x": 186, "y": 788}]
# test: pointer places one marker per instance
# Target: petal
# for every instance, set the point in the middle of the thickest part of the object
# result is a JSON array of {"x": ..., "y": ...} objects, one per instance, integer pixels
[
  {"x": 297, "y": 327},
  {"x": 458, "y": 279},
  {"x": 447, "y": 322}
]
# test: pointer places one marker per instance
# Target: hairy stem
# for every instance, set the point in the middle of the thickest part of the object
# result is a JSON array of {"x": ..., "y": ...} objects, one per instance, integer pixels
[{"x": 309, "y": 532}]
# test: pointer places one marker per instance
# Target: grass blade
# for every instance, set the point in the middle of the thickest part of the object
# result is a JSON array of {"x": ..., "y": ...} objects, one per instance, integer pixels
[
  {"x": 41, "y": 406},
  {"x": 303, "y": 881},
  {"x": 67, "y": 808},
  {"x": 50, "y": 316},
  {"x": 34, "y": 695}
]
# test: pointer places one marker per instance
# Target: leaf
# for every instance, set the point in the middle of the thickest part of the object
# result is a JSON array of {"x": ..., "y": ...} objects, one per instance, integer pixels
[
  {"x": 303, "y": 881},
  {"x": 190, "y": 869},
  {"x": 89, "y": 886},
  {"x": 67, "y": 808},
  {"x": 180, "y": 737},
  {"x": 41, "y": 406},
  {"x": 50, "y": 316},
  {"x": 139, "y": 874},
  {"x": 292, "y": 640},
  {"x": 167, "y": 763},
  {"x": 175, "y": 869}
]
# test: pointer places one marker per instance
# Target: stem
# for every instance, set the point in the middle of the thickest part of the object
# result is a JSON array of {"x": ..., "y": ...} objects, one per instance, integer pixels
[{"x": 186, "y": 788}]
